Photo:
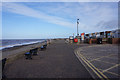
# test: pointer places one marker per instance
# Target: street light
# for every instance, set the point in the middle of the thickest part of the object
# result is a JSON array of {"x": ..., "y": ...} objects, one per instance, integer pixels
[{"x": 77, "y": 27}]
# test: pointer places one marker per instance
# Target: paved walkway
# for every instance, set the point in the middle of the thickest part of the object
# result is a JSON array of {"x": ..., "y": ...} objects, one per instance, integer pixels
[
  {"x": 100, "y": 59},
  {"x": 57, "y": 61}
]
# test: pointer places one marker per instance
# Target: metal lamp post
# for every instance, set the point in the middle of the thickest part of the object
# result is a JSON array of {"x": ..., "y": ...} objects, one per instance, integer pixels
[
  {"x": 77, "y": 27},
  {"x": 78, "y": 37}
]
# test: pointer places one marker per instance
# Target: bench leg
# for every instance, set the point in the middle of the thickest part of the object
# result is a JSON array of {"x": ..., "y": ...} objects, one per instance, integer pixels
[{"x": 28, "y": 57}]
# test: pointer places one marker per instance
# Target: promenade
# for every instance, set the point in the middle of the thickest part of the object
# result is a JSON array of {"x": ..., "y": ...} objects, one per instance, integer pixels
[
  {"x": 57, "y": 61},
  {"x": 102, "y": 61}
]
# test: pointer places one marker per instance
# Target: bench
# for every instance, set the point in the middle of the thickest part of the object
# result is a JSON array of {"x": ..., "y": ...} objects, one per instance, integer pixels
[
  {"x": 28, "y": 55},
  {"x": 34, "y": 51},
  {"x": 31, "y": 52},
  {"x": 43, "y": 47}
]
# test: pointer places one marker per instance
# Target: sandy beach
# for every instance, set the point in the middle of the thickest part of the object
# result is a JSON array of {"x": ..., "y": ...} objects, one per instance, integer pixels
[{"x": 15, "y": 52}]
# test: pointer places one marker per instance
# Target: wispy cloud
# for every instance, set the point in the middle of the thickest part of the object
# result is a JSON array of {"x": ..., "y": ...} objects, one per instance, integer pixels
[
  {"x": 93, "y": 16},
  {"x": 27, "y": 11},
  {"x": 60, "y": 0},
  {"x": 90, "y": 14}
]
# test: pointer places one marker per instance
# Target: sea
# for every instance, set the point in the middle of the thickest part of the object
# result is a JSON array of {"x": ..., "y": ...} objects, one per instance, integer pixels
[{"x": 7, "y": 43}]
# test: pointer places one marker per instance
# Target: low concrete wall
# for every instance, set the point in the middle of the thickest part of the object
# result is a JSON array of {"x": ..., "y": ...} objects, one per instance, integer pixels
[
  {"x": 115, "y": 40},
  {"x": 92, "y": 41}
]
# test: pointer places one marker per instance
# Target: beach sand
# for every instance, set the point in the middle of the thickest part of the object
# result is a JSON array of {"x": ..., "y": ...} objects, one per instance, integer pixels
[{"x": 18, "y": 51}]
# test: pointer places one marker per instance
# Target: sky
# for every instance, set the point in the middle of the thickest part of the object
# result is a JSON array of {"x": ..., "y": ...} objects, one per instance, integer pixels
[{"x": 43, "y": 20}]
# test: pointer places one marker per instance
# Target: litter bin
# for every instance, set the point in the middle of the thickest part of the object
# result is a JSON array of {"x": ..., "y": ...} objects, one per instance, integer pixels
[
  {"x": 109, "y": 40},
  {"x": 75, "y": 40},
  {"x": 99, "y": 40}
]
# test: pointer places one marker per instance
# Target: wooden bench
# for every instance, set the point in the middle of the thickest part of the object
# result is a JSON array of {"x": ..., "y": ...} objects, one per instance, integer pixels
[
  {"x": 28, "y": 55},
  {"x": 31, "y": 52},
  {"x": 34, "y": 51},
  {"x": 43, "y": 47}
]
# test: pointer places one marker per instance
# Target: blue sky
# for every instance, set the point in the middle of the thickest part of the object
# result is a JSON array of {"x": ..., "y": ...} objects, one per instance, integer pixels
[{"x": 41, "y": 20}]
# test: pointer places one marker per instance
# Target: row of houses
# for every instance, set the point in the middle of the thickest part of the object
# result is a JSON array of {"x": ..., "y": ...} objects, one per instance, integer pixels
[{"x": 112, "y": 37}]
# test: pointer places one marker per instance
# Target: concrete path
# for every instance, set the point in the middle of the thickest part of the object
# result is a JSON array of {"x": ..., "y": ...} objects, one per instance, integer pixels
[
  {"x": 57, "y": 61},
  {"x": 101, "y": 59}
]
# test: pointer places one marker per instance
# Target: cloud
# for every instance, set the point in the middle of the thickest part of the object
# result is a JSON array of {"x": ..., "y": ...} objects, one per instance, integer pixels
[
  {"x": 60, "y": 0},
  {"x": 96, "y": 11},
  {"x": 27, "y": 11},
  {"x": 93, "y": 16},
  {"x": 113, "y": 24}
]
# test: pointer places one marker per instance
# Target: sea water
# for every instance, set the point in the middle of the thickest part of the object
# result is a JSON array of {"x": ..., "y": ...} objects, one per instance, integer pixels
[{"x": 7, "y": 43}]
